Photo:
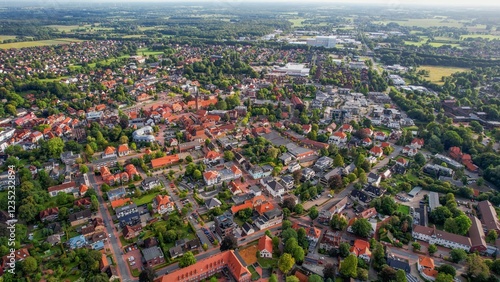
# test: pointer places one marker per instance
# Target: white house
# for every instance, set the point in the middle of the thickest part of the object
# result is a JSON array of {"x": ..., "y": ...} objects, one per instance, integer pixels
[
  {"x": 274, "y": 188},
  {"x": 265, "y": 247}
]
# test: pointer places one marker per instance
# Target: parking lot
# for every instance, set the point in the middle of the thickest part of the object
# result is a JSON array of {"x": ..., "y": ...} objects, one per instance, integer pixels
[{"x": 134, "y": 259}]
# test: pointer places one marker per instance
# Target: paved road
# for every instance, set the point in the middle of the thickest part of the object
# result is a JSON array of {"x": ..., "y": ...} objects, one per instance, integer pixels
[{"x": 123, "y": 270}]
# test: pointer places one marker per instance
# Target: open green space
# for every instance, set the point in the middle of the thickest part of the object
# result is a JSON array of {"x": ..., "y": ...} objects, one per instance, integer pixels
[
  {"x": 68, "y": 28},
  {"x": 267, "y": 262},
  {"x": 144, "y": 199},
  {"x": 255, "y": 275},
  {"x": 147, "y": 52},
  {"x": 404, "y": 209},
  {"x": 39, "y": 43},
  {"x": 297, "y": 22},
  {"x": 437, "y": 72}
]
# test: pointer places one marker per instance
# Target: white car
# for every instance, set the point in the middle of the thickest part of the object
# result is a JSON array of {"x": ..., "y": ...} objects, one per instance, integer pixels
[
  {"x": 109, "y": 235},
  {"x": 131, "y": 259}
]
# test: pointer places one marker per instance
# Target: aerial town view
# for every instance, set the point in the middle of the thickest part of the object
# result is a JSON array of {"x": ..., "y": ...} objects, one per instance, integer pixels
[{"x": 290, "y": 141}]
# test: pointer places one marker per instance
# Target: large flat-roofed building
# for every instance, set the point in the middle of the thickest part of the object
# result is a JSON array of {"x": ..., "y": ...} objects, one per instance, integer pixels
[
  {"x": 322, "y": 41},
  {"x": 205, "y": 268}
]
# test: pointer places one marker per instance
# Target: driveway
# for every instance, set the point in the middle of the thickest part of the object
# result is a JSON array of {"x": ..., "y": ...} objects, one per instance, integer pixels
[{"x": 137, "y": 259}]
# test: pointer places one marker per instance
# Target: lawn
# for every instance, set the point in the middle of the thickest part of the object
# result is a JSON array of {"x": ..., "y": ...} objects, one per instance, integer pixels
[
  {"x": 238, "y": 221},
  {"x": 255, "y": 275},
  {"x": 249, "y": 254},
  {"x": 268, "y": 263},
  {"x": 404, "y": 209},
  {"x": 39, "y": 43},
  {"x": 437, "y": 72},
  {"x": 145, "y": 199},
  {"x": 297, "y": 22}
]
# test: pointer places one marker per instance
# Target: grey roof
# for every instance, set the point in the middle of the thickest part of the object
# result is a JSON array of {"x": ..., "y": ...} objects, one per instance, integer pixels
[
  {"x": 175, "y": 251},
  {"x": 272, "y": 213},
  {"x": 212, "y": 203},
  {"x": 275, "y": 186},
  {"x": 116, "y": 192},
  {"x": 152, "y": 253},
  {"x": 398, "y": 264},
  {"x": 434, "y": 200},
  {"x": 125, "y": 208},
  {"x": 247, "y": 227}
]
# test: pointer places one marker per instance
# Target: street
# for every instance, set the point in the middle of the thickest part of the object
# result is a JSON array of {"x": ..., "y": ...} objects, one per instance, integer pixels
[{"x": 114, "y": 241}]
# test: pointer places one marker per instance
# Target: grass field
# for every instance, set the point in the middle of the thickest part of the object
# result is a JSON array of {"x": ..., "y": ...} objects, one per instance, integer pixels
[
  {"x": 255, "y": 275},
  {"x": 404, "y": 209},
  {"x": 147, "y": 52},
  {"x": 146, "y": 199},
  {"x": 249, "y": 254},
  {"x": 39, "y": 43},
  {"x": 268, "y": 263},
  {"x": 297, "y": 22},
  {"x": 437, "y": 72}
]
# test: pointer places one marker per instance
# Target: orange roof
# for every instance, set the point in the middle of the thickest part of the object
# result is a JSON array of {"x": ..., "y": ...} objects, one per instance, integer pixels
[
  {"x": 246, "y": 205},
  {"x": 109, "y": 150},
  {"x": 340, "y": 134},
  {"x": 426, "y": 262},
  {"x": 131, "y": 170},
  {"x": 212, "y": 155},
  {"x": 119, "y": 202},
  {"x": 376, "y": 150},
  {"x": 123, "y": 148},
  {"x": 209, "y": 265},
  {"x": 162, "y": 199},
  {"x": 104, "y": 171},
  {"x": 301, "y": 276},
  {"x": 83, "y": 189},
  {"x": 262, "y": 208},
  {"x": 210, "y": 174},
  {"x": 265, "y": 243},
  {"x": 361, "y": 247},
  {"x": 236, "y": 170},
  {"x": 159, "y": 162}
]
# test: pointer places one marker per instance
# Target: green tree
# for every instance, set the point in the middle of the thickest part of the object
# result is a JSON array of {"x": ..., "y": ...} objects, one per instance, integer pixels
[
  {"x": 299, "y": 209},
  {"x": 401, "y": 276},
  {"x": 349, "y": 266},
  {"x": 313, "y": 213},
  {"x": 458, "y": 225},
  {"x": 443, "y": 277},
  {"x": 338, "y": 222},
  {"x": 362, "y": 274},
  {"x": 187, "y": 259},
  {"x": 30, "y": 265},
  {"x": 432, "y": 249},
  {"x": 147, "y": 275},
  {"x": 273, "y": 278},
  {"x": 344, "y": 249},
  {"x": 286, "y": 263},
  {"x": 228, "y": 156},
  {"x": 416, "y": 246},
  {"x": 55, "y": 146},
  {"x": 123, "y": 139},
  {"x": 84, "y": 168},
  {"x": 448, "y": 269},
  {"x": 229, "y": 243},
  {"x": 457, "y": 255},
  {"x": 420, "y": 159},
  {"x": 362, "y": 227},
  {"x": 492, "y": 236},
  {"x": 330, "y": 271},
  {"x": 95, "y": 202},
  {"x": 476, "y": 267},
  {"x": 338, "y": 161},
  {"x": 292, "y": 278},
  {"x": 315, "y": 278},
  {"x": 290, "y": 245},
  {"x": 298, "y": 254}
]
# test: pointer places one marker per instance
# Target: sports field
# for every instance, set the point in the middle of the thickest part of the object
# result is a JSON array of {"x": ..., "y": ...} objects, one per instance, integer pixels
[{"x": 437, "y": 72}]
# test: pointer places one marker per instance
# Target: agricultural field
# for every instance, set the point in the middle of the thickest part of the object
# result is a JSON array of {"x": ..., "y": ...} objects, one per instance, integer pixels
[
  {"x": 426, "y": 22},
  {"x": 68, "y": 28},
  {"x": 437, "y": 72},
  {"x": 39, "y": 43},
  {"x": 485, "y": 36},
  {"x": 7, "y": 37}
]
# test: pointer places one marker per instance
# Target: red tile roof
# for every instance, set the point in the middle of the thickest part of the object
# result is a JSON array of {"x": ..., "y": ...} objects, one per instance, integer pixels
[
  {"x": 159, "y": 162},
  {"x": 265, "y": 243}
]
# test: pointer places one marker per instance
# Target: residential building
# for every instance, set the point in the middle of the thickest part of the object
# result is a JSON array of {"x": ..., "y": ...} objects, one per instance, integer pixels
[
  {"x": 130, "y": 232},
  {"x": 265, "y": 247},
  {"x": 109, "y": 152},
  {"x": 116, "y": 194},
  {"x": 476, "y": 235},
  {"x": 162, "y": 204},
  {"x": 488, "y": 215},
  {"x": 425, "y": 266},
  {"x": 330, "y": 240},
  {"x": 326, "y": 215},
  {"x": 19, "y": 255},
  {"x": 211, "y": 177},
  {"x": 153, "y": 256},
  {"x": 269, "y": 218},
  {"x": 247, "y": 228},
  {"x": 67, "y": 188},
  {"x": 77, "y": 242},
  {"x": 398, "y": 263},
  {"x": 442, "y": 238},
  {"x": 69, "y": 158},
  {"x": 434, "y": 200},
  {"x": 79, "y": 217},
  {"x": 213, "y": 203},
  {"x": 224, "y": 225},
  {"x": 150, "y": 183},
  {"x": 361, "y": 249},
  {"x": 164, "y": 161},
  {"x": 274, "y": 188},
  {"x": 123, "y": 150},
  {"x": 323, "y": 163},
  {"x": 287, "y": 182},
  {"x": 49, "y": 214},
  {"x": 144, "y": 134}
]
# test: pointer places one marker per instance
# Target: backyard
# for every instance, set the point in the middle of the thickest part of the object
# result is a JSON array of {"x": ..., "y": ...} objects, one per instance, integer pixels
[
  {"x": 404, "y": 209},
  {"x": 249, "y": 254}
]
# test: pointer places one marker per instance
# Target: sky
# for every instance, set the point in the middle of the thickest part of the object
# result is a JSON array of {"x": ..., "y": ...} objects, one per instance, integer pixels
[{"x": 449, "y": 3}]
